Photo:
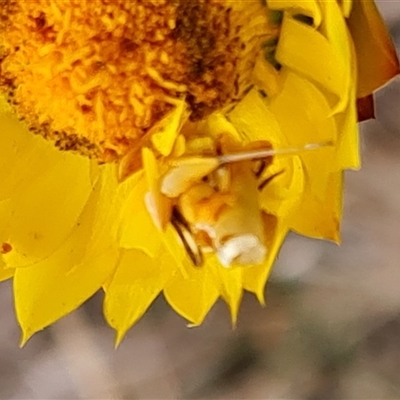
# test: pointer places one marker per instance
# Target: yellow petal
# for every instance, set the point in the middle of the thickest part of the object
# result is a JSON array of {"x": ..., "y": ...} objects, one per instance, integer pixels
[
  {"x": 48, "y": 291},
  {"x": 174, "y": 246},
  {"x": 347, "y": 6},
  {"x": 158, "y": 205},
  {"x": 137, "y": 230},
  {"x": 5, "y": 216},
  {"x": 193, "y": 295},
  {"x": 304, "y": 118},
  {"x": 282, "y": 195},
  {"x": 335, "y": 30},
  {"x": 306, "y": 51},
  {"x": 217, "y": 123},
  {"x": 262, "y": 69},
  {"x": 47, "y": 191},
  {"x": 320, "y": 217},
  {"x": 47, "y": 209},
  {"x": 322, "y": 56},
  {"x": 310, "y": 8},
  {"x": 137, "y": 281},
  {"x": 230, "y": 282},
  {"x": 255, "y": 121},
  {"x": 57, "y": 285},
  {"x": 308, "y": 120},
  {"x": 319, "y": 213},
  {"x": 166, "y": 131},
  {"x": 5, "y": 247},
  {"x": 348, "y": 152},
  {"x": 24, "y": 156},
  {"x": 17, "y": 153},
  {"x": 376, "y": 55}
]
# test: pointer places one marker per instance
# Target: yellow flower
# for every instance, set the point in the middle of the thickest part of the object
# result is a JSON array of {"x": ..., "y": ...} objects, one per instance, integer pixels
[{"x": 201, "y": 133}]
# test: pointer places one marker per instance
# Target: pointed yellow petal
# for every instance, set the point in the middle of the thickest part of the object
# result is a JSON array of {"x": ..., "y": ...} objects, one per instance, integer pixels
[
  {"x": 376, "y": 55},
  {"x": 137, "y": 281},
  {"x": 230, "y": 285},
  {"x": 193, "y": 295},
  {"x": 48, "y": 291}
]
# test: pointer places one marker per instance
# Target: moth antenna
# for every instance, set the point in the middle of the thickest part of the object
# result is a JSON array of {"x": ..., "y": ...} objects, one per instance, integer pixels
[
  {"x": 189, "y": 242},
  {"x": 261, "y": 168},
  {"x": 259, "y": 154},
  {"x": 265, "y": 182}
]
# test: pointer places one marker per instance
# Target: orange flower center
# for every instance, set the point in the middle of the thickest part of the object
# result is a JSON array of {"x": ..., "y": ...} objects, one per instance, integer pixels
[{"x": 95, "y": 76}]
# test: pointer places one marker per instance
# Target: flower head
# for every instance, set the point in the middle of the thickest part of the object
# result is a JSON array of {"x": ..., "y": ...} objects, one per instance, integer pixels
[{"x": 201, "y": 133}]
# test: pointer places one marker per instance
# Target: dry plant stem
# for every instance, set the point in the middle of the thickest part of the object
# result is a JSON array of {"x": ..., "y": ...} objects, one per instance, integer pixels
[{"x": 239, "y": 231}]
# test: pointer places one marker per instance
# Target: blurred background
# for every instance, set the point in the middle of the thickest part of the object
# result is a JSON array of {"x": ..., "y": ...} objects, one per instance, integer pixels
[{"x": 330, "y": 330}]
